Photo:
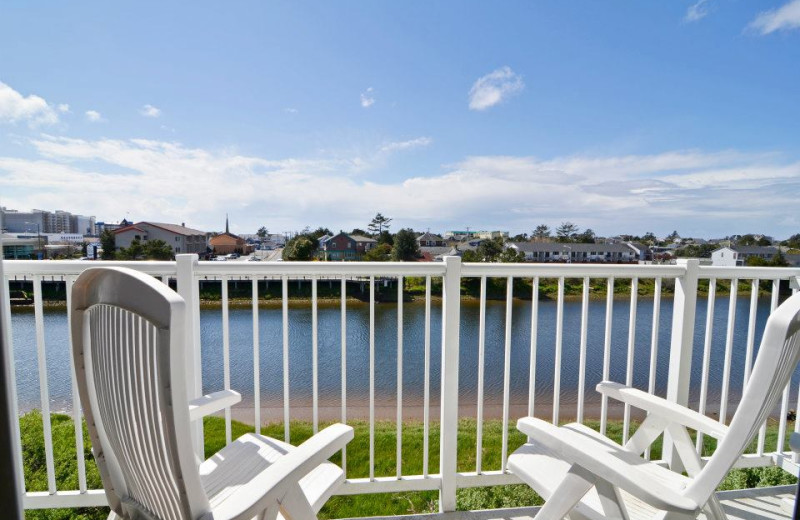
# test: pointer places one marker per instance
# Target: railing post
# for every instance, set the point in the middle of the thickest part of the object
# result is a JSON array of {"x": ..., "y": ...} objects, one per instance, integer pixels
[
  {"x": 188, "y": 290},
  {"x": 684, "y": 311},
  {"x": 448, "y": 428},
  {"x": 11, "y": 470}
]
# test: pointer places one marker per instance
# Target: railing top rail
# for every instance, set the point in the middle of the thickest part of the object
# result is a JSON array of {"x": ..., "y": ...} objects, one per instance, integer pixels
[
  {"x": 331, "y": 269},
  {"x": 763, "y": 273},
  {"x": 75, "y": 267},
  {"x": 16, "y": 268},
  {"x": 572, "y": 270}
]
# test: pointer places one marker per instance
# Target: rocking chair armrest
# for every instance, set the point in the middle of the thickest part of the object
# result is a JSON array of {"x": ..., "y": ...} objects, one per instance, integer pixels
[
  {"x": 210, "y": 403},
  {"x": 273, "y": 484},
  {"x": 608, "y": 462},
  {"x": 673, "y": 412}
]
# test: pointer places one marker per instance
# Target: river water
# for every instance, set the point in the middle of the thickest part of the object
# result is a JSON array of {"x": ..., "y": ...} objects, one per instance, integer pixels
[{"x": 300, "y": 372}]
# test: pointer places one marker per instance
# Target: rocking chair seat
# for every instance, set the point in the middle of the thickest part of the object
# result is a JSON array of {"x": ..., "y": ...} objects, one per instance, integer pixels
[
  {"x": 241, "y": 461},
  {"x": 544, "y": 470}
]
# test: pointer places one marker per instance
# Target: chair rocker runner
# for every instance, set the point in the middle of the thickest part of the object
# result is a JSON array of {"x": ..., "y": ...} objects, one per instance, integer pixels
[
  {"x": 129, "y": 350},
  {"x": 583, "y": 474}
]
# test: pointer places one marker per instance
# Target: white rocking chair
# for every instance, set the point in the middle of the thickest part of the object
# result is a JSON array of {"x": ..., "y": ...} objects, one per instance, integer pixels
[
  {"x": 129, "y": 348},
  {"x": 583, "y": 474}
]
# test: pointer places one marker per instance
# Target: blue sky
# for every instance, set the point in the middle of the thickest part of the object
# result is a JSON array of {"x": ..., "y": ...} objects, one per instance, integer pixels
[{"x": 625, "y": 118}]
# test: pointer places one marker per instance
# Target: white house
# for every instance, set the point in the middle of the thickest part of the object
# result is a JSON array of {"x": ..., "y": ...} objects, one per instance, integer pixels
[
  {"x": 738, "y": 255},
  {"x": 578, "y": 253}
]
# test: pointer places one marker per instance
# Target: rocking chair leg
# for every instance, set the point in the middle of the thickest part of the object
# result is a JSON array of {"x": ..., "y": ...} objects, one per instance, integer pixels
[
  {"x": 576, "y": 484},
  {"x": 714, "y": 509},
  {"x": 295, "y": 506}
]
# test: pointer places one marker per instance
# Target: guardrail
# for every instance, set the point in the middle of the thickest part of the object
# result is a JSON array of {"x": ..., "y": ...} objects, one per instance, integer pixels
[{"x": 686, "y": 275}]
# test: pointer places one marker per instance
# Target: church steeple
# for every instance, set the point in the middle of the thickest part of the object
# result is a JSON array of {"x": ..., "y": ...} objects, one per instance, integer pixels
[{"x": 227, "y": 228}]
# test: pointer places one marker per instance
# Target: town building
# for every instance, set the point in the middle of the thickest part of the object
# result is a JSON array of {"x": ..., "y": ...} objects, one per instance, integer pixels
[
  {"x": 227, "y": 243},
  {"x": 177, "y": 236},
  {"x": 738, "y": 255},
  {"x": 22, "y": 246},
  {"x": 491, "y": 235},
  {"x": 643, "y": 252},
  {"x": 459, "y": 235},
  {"x": 578, "y": 253},
  {"x": 42, "y": 221},
  {"x": 346, "y": 247},
  {"x": 431, "y": 240}
]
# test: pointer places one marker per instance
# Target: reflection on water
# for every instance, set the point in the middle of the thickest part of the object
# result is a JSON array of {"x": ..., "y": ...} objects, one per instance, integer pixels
[{"x": 300, "y": 373}]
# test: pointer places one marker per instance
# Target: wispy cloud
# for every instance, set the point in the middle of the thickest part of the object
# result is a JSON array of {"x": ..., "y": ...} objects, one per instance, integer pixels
[
  {"x": 784, "y": 18},
  {"x": 696, "y": 192},
  {"x": 63, "y": 108},
  {"x": 697, "y": 11},
  {"x": 32, "y": 109},
  {"x": 150, "y": 111},
  {"x": 494, "y": 88},
  {"x": 395, "y": 146},
  {"x": 290, "y": 110},
  {"x": 367, "y": 99},
  {"x": 94, "y": 116}
]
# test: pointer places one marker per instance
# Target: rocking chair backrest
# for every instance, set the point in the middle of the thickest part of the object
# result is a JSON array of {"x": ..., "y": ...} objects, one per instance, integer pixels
[
  {"x": 776, "y": 361},
  {"x": 129, "y": 349}
]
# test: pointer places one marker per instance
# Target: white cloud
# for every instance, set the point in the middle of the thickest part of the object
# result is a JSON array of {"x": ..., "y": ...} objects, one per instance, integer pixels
[
  {"x": 785, "y": 18},
  {"x": 63, "y": 108},
  {"x": 14, "y": 107},
  {"x": 94, "y": 116},
  {"x": 695, "y": 192},
  {"x": 494, "y": 88},
  {"x": 394, "y": 146},
  {"x": 290, "y": 110},
  {"x": 697, "y": 11},
  {"x": 367, "y": 99},
  {"x": 150, "y": 111}
]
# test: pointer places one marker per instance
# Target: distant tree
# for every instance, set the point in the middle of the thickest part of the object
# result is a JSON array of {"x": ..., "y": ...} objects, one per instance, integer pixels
[
  {"x": 567, "y": 231},
  {"x": 359, "y": 231},
  {"x": 793, "y": 241},
  {"x": 301, "y": 247},
  {"x": 318, "y": 233},
  {"x": 405, "y": 247},
  {"x": 470, "y": 256},
  {"x": 262, "y": 233},
  {"x": 695, "y": 251},
  {"x": 490, "y": 250},
  {"x": 386, "y": 238},
  {"x": 135, "y": 251},
  {"x": 779, "y": 260},
  {"x": 673, "y": 236},
  {"x": 379, "y": 253},
  {"x": 542, "y": 232},
  {"x": 158, "y": 250},
  {"x": 378, "y": 224},
  {"x": 649, "y": 238},
  {"x": 587, "y": 237},
  {"x": 108, "y": 242},
  {"x": 747, "y": 240},
  {"x": 511, "y": 255},
  {"x": 522, "y": 237}
]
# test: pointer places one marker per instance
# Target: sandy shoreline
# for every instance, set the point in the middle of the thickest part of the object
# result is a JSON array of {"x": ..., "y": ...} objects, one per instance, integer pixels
[{"x": 414, "y": 413}]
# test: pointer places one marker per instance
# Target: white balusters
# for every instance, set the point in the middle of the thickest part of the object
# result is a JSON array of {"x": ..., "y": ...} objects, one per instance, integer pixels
[
  {"x": 607, "y": 351},
  {"x": 481, "y": 370},
  {"x": 507, "y": 371},
  {"x": 582, "y": 354}
]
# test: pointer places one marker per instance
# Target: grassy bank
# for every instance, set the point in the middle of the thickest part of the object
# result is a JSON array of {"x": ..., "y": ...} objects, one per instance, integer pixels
[{"x": 357, "y": 465}]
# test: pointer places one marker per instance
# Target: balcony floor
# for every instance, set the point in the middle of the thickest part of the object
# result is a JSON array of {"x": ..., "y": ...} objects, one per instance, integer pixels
[{"x": 744, "y": 504}]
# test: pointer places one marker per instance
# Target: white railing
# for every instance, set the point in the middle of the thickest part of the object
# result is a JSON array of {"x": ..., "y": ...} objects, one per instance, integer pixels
[{"x": 188, "y": 273}]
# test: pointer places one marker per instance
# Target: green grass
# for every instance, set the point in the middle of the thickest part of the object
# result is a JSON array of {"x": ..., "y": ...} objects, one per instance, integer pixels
[{"x": 357, "y": 464}]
